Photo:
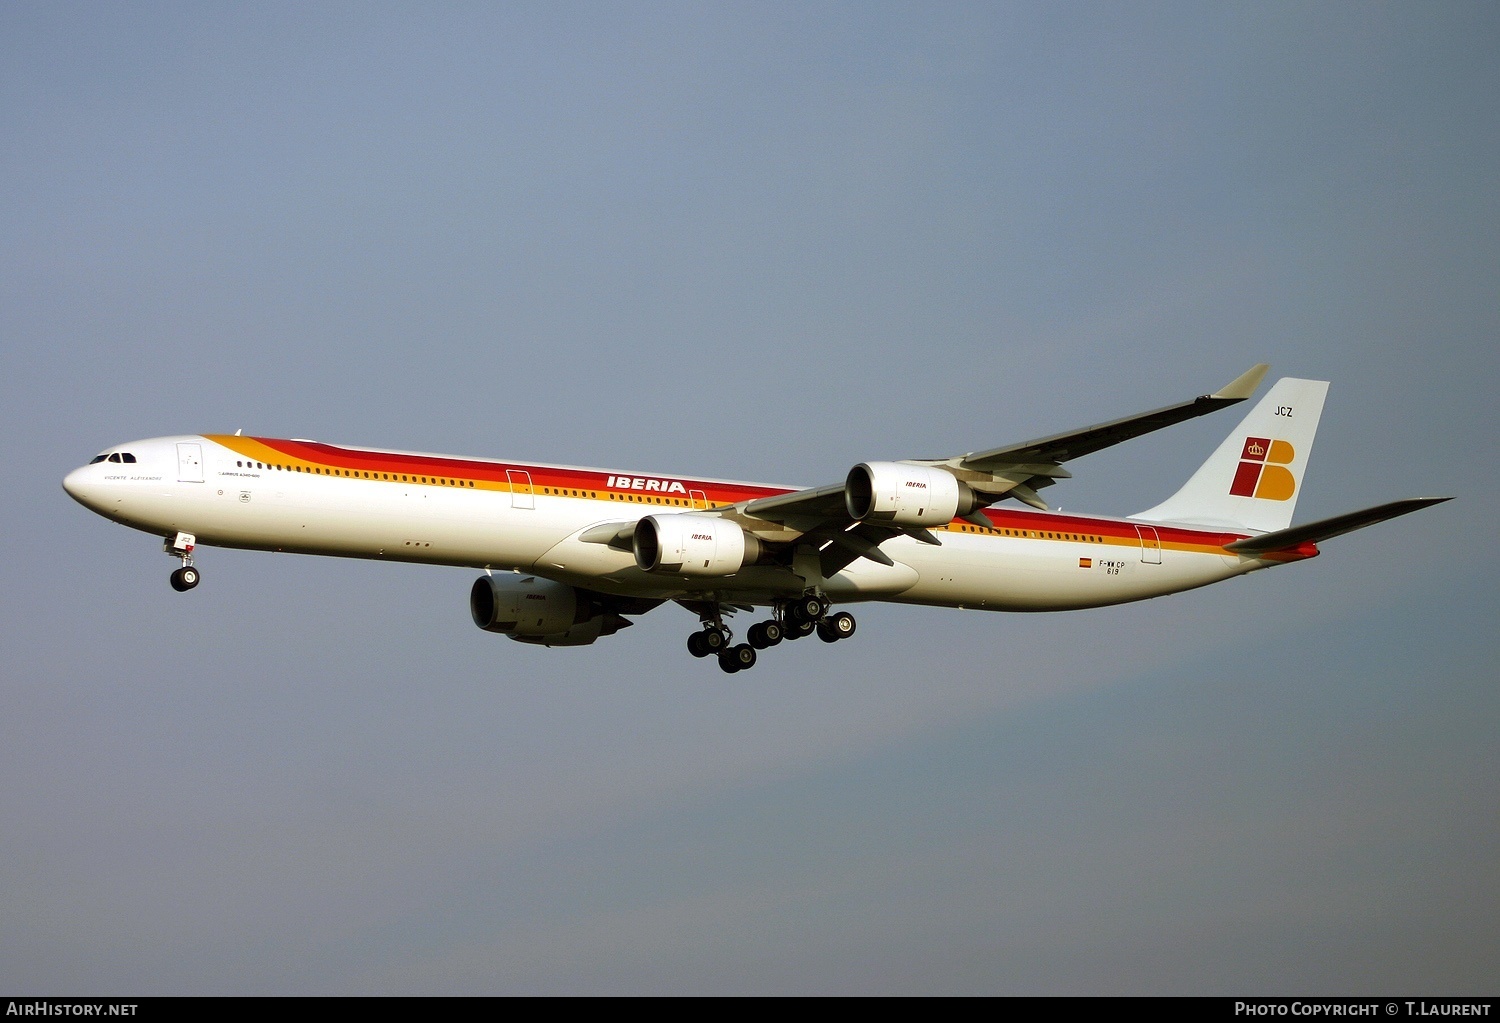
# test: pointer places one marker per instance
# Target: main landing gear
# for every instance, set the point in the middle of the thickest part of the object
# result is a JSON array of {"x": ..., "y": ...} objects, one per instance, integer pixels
[
  {"x": 181, "y": 546},
  {"x": 716, "y": 639},
  {"x": 793, "y": 620}
]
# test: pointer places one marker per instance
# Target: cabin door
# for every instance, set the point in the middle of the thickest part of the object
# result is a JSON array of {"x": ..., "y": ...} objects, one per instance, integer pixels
[
  {"x": 190, "y": 463},
  {"x": 520, "y": 489},
  {"x": 1150, "y": 545}
]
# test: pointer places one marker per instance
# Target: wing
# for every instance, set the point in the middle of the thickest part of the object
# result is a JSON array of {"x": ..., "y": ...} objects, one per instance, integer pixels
[
  {"x": 1076, "y": 443},
  {"x": 821, "y": 516},
  {"x": 1016, "y": 470},
  {"x": 1019, "y": 470}
]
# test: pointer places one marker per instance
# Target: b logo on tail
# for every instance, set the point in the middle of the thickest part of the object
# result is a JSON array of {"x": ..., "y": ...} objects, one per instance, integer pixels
[{"x": 1262, "y": 472}]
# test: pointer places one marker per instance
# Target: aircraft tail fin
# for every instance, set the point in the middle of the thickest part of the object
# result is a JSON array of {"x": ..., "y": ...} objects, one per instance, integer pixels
[{"x": 1252, "y": 480}]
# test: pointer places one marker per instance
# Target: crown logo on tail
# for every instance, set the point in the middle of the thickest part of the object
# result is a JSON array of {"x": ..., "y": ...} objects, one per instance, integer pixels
[{"x": 1263, "y": 471}]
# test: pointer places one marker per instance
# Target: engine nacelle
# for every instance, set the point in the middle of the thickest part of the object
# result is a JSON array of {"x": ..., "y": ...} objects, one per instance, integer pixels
[
  {"x": 906, "y": 495},
  {"x": 523, "y": 605},
  {"x": 529, "y": 609},
  {"x": 697, "y": 545}
]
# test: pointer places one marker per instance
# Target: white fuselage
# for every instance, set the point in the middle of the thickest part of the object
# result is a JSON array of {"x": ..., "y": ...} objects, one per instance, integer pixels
[{"x": 307, "y": 498}]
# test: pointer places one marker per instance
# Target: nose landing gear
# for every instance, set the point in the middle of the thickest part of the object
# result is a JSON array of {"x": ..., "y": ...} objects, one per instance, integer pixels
[{"x": 181, "y": 546}]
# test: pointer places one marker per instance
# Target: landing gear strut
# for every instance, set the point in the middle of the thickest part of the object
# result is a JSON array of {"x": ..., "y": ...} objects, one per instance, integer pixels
[{"x": 181, "y": 546}]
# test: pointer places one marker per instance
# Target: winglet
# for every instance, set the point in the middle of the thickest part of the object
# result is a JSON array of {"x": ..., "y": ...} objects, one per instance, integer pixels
[{"x": 1245, "y": 384}]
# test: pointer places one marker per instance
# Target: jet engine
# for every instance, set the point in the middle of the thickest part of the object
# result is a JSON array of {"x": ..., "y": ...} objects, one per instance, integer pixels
[
  {"x": 529, "y": 609},
  {"x": 697, "y": 545},
  {"x": 906, "y": 495}
]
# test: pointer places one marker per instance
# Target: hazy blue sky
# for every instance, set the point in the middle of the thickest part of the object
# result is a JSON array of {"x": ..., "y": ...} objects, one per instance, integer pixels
[{"x": 759, "y": 241}]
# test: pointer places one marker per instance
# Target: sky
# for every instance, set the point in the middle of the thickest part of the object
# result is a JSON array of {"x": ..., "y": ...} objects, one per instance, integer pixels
[{"x": 755, "y": 241}]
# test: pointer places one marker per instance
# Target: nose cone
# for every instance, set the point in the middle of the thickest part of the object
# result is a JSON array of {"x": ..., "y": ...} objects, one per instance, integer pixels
[{"x": 83, "y": 487}]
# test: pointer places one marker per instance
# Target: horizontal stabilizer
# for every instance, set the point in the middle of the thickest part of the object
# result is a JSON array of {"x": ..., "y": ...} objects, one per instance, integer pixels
[{"x": 1312, "y": 532}]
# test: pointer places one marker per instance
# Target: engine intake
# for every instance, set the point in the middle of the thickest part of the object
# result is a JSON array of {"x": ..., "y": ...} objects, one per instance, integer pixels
[
  {"x": 693, "y": 545},
  {"x": 906, "y": 495}
]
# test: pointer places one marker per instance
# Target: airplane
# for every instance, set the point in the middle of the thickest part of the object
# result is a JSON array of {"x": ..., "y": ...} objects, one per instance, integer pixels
[{"x": 568, "y": 552}]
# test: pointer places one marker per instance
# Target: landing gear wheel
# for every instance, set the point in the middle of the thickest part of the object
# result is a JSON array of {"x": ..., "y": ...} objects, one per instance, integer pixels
[
  {"x": 796, "y": 630},
  {"x": 836, "y": 627},
  {"x": 707, "y": 641},
  {"x": 765, "y": 635},
  {"x": 737, "y": 658},
  {"x": 184, "y": 579},
  {"x": 807, "y": 609}
]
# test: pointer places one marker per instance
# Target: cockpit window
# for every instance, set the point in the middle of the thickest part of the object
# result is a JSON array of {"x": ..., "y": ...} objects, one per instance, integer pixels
[
  {"x": 97, "y": 458},
  {"x": 115, "y": 457},
  {"x": 126, "y": 456}
]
